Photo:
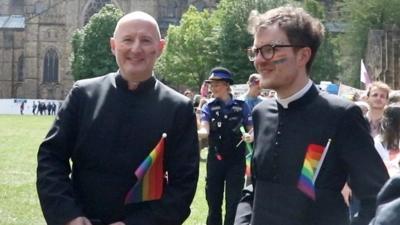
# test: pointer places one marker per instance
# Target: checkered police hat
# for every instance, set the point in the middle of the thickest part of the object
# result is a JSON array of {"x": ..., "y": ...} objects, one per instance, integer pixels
[{"x": 220, "y": 73}]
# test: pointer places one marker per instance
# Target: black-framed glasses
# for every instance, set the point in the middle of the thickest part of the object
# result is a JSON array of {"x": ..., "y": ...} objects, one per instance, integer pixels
[{"x": 267, "y": 51}]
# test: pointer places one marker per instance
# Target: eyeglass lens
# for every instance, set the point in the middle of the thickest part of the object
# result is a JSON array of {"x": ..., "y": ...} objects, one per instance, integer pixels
[{"x": 267, "y": 52}]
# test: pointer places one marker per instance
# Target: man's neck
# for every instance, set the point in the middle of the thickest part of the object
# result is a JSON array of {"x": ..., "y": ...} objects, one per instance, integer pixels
[
  {"x": 374, "y": 114},
  {"x": 252, "y": 93},
  {"x": 285, "y": 92}
]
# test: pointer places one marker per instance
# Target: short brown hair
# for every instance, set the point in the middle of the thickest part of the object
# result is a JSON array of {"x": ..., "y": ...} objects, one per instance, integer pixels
[{"x": 300, "y": 27}]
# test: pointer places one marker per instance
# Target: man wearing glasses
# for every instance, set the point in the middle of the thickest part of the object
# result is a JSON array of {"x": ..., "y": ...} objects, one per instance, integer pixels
[{"x": 307, "y": 143}]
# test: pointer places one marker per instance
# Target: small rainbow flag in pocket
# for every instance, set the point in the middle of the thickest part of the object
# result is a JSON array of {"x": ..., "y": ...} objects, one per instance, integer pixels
[
  {"x": 313, "y": 160},
  {"x": 249, "y": 153},
  {"x": 150, "y": 176}
]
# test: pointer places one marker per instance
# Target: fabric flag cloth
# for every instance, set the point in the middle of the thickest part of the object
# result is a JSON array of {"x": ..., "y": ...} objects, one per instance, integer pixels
[
  {"x": 312, "y": 164},
  {"x": 248, "y": 155},
  {"x": 150, "y": 176},
  {"x": 364, "y": 77}
]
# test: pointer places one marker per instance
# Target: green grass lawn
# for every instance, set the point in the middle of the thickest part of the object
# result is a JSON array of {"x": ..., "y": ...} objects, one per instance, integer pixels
[{"x": 20, "y": 137}]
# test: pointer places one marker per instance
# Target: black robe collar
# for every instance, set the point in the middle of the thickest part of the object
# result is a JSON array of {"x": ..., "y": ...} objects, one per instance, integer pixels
[
  {"x": 304, "y": 100},
  {"x": 142, "y": 86}
]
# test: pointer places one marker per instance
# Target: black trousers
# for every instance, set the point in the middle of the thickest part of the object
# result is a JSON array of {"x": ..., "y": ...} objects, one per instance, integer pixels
[{"x": 228, "y": 175}]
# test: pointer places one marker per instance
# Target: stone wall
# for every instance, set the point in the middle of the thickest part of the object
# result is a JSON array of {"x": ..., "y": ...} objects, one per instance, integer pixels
[{"x": 383, "y": 55}]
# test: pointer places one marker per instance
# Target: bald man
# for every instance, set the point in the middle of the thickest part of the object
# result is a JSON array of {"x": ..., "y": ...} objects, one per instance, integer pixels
[{"x": 106, "y": 128}]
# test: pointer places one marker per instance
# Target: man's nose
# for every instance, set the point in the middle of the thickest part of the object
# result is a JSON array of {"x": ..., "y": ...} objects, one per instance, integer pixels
[{"x": 135, "y": 46}]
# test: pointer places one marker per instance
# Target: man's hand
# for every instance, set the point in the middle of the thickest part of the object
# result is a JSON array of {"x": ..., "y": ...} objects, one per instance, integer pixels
[
  {"x": 79, "y": 221},
  {"x": 247, "y": 137},
  {"x": 118, "y": 223},
  {"x": 347, "y": 193},
  {"x": 202, "y": 132}
]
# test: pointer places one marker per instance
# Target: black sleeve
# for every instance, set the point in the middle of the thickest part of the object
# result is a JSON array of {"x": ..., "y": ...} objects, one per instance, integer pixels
[
  {"x": 53, "y": 183},
  {"x": 367, "y": 173},
  {"x": 182, "y": 166},
  {"x": 388, "y": 203},
  {"x": 244, "y": 209}
]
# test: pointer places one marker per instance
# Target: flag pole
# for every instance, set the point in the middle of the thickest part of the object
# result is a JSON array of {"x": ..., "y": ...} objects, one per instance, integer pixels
[{"x": 321, "y": 161}]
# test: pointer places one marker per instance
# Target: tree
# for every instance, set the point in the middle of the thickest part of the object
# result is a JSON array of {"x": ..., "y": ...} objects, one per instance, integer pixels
[
  {"x": 220, "y": 38},
  {"x": 361, "y": 16},
  {"x": 190, "y": 50},
  {"x": 233, "y": 37},
  {"x": 91, "y": 55},
  {"x": 325, "y": 65},
  {"x": 207, "y": 39}
]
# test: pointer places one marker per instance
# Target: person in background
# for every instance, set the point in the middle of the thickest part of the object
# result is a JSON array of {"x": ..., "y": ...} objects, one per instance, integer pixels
[
  {"x": 34, "y": 107},
  {"x": 188, "y": 93},
  {"x": 388, "y": 203},
  {"x": 387, "y": 141},
  {"x": 53, "y": 108},
  {"x": 107, "y": 128},
  {"x": 307, "y": 143},
  {"x": 48, "y": 107},
  {"x": 22, "y": 107},
  {"x": 252, "y": 96},
  {"x": 221, "y": 121},
  {"x": 377, "y": 98}
]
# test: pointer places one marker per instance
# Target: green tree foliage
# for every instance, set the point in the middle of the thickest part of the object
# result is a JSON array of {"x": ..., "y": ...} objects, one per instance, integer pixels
[
  {"x": 233, "y": 38},
  {"x": 220, "y": 38},
  {"x": 325, "y": 65},
  {"x": 361, "y": 16},
  {"x": 91, "y": 55},
  {"x": 190, "y": 50}
]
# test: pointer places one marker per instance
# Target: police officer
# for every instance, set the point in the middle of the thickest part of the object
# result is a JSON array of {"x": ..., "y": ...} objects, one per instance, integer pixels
[{"x": 221, "y": 120}]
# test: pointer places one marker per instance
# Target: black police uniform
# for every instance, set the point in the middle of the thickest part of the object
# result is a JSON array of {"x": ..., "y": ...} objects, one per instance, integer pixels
[{"x": 225, "y": 161}]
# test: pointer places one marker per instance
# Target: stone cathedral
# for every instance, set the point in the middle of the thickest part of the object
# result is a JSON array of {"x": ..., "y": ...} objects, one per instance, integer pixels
[{"x": 35, "y": 39}]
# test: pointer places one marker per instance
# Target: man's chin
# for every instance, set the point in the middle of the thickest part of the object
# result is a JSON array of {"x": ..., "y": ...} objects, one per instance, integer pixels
[{"x": 266, "y": 85}]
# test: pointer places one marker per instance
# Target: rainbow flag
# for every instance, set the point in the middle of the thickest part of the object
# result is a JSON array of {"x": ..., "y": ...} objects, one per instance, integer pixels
[
  {"x": 248, "y": 156},
  {"x": 312, "y": 164},
  {"x": 248, "y": 164},
  {"x": 150, "y": 176}
]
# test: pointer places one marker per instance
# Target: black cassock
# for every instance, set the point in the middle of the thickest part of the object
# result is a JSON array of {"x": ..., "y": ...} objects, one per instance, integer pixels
[
  {"x": 282, "y": 137},
  {"x": 107, "y": 131}
]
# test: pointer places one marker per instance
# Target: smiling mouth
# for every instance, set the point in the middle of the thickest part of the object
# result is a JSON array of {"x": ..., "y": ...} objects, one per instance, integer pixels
[
  {"x": 266, "y": 71},
  {"x": 135, "y": 60}
]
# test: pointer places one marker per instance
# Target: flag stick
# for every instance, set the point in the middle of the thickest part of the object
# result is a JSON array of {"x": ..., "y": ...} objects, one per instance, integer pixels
[{"x": 321, "y": 161}]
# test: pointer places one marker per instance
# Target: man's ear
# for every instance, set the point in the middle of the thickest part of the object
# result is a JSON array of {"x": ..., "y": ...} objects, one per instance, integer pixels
[
  {"x": 112, "y": 45},
  {"x": 303, "y": 56},
  {"x": 161, "y": 46}
]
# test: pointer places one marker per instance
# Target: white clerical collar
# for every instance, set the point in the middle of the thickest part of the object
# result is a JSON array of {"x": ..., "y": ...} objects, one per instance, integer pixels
[{"x": 285, "y": 101}]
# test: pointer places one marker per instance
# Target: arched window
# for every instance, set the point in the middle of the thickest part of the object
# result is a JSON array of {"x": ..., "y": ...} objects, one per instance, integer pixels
[
  {"x": 20, "y": 69},
  {"x": 50, "y": 67},
  {"x": 94, "y": 7}
]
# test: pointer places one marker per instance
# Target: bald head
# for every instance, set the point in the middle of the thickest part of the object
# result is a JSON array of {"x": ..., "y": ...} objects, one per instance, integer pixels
[{"x": 137, "y": 15}]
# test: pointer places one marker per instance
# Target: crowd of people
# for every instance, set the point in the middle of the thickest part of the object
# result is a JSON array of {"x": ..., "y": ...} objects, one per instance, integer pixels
[
  {"x": 41, "y": 108},
  {"x": 316, "y": 159}
]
